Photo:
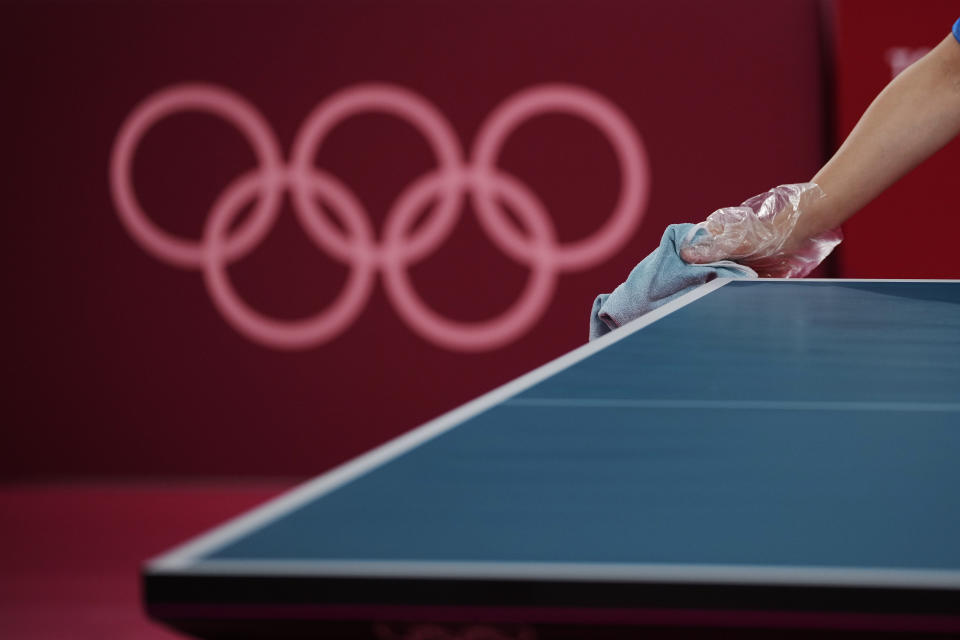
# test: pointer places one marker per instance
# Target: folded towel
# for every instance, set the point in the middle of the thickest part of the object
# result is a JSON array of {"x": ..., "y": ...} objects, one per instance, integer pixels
[{"x": 658, "y": 279}]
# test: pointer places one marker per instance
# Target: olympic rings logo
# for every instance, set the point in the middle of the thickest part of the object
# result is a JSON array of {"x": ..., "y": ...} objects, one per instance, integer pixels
[{"x": 356, "y": 243}]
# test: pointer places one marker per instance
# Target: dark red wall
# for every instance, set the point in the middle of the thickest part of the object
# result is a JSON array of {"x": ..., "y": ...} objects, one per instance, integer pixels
[{"x": 119, "y": 363}]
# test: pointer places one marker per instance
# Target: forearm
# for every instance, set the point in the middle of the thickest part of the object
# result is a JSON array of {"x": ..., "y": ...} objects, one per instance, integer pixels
[{"x": 912, "y": 118}]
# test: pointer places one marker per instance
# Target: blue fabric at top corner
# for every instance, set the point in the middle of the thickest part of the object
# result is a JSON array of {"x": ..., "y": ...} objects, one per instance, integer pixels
[
  {"x": 956, "y": 29},
  {"x": 658, "y": 279}
]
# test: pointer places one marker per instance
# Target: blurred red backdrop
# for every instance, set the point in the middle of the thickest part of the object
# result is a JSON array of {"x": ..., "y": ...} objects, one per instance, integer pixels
[{"x": 121, "y": 364}]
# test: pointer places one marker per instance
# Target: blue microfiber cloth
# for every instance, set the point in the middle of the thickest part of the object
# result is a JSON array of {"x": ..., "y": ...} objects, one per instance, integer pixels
[{"x": 658, "y": 279}]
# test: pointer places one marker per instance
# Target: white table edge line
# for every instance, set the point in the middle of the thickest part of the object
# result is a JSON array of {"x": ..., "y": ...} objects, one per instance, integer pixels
[
  {"x": 744, "y": 574},
  {"x": 758, "y": 405}
]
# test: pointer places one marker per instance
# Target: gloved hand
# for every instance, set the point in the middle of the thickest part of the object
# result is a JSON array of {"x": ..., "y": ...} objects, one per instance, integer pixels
[{"x": 762, "y": 234}]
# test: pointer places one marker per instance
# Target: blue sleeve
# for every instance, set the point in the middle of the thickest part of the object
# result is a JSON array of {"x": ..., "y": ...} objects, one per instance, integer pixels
[{"x": 956, "y": 30}]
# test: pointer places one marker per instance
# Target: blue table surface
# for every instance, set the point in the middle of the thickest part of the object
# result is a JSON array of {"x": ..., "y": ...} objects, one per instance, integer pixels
[{"x": 768, "y": 423}]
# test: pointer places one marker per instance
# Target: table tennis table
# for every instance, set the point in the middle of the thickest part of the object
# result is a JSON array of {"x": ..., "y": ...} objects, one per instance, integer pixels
[{"x": 754, "y": 455}]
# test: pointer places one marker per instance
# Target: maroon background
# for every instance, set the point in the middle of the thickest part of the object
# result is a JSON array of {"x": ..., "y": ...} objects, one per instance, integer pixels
[
  {"x": 879, "y": 242},
  {"x": 120, "y": 364}
]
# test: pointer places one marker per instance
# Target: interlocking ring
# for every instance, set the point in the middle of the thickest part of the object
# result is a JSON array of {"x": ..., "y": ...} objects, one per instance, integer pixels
[{"x": 356, "y": 245}]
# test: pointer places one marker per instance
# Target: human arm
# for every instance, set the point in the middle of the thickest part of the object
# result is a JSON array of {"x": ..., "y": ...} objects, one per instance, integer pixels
[
  {"x": 913, "y": 117},
  {"x": 910, "y": 120}
]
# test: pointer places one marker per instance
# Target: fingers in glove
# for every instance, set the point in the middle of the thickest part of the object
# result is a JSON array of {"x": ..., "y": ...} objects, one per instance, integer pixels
[{"x": 758, "y": 231}]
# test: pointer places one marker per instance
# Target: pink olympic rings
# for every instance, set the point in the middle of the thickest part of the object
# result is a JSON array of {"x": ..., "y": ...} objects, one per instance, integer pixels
[{"x": 356, "y": 245}]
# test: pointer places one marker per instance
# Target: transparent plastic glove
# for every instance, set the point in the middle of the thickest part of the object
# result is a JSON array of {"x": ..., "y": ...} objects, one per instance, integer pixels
[{"x": 760, "y": 234}]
